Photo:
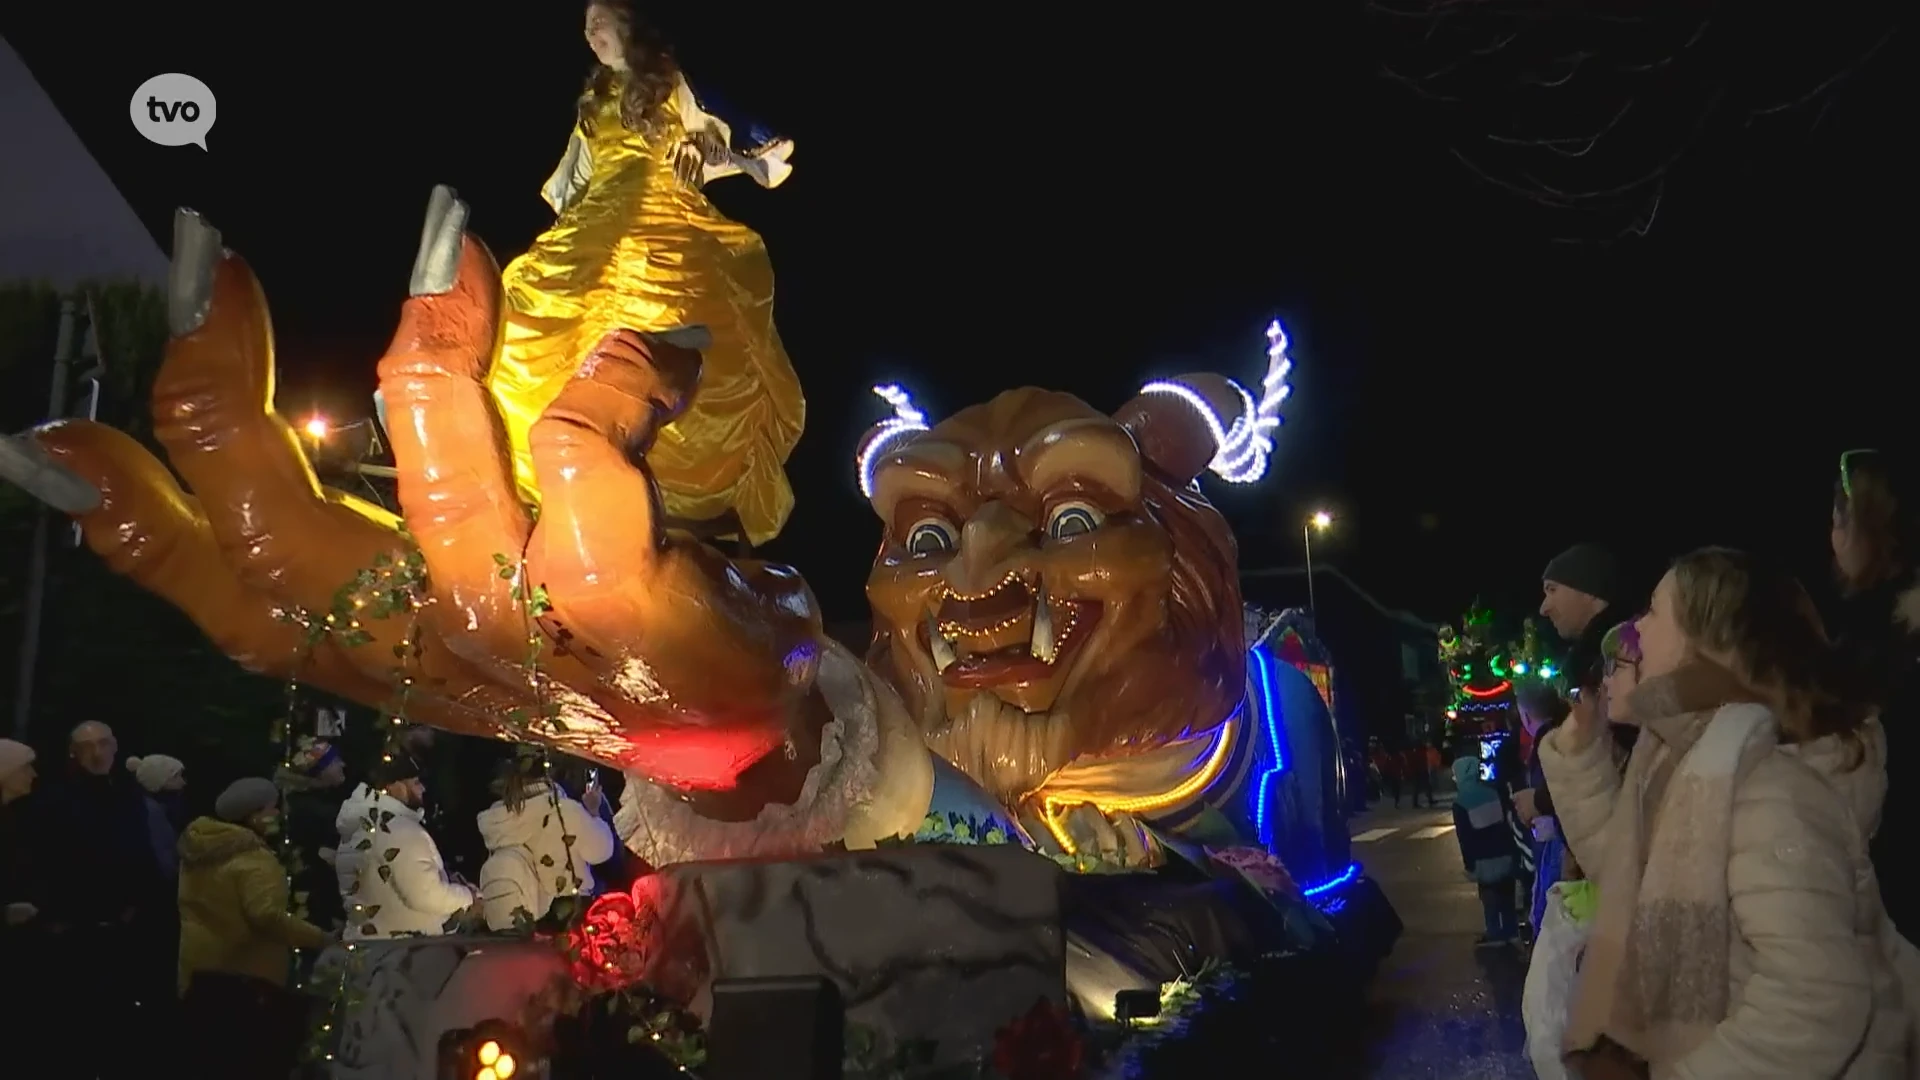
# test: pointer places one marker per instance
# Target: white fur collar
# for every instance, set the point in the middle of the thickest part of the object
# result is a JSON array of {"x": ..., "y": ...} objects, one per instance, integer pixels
[{"x": 874, "y": 779}]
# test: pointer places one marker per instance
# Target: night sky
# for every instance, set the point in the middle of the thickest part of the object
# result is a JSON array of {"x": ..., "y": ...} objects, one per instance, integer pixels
[{"x": 1548, "y": 278}]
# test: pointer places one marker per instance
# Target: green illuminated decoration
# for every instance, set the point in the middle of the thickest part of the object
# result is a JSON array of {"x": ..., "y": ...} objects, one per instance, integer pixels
[
  {"x": 1483, "y": 669},
  {"x": 1529, "y": 659},
  {"x": 1476, "y": 671}
]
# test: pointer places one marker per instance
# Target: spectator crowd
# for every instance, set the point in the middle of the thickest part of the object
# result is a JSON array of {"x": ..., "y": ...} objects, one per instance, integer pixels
[
  {"x": 187, "y": 936},
  {"x": 1704, "y": 830}
]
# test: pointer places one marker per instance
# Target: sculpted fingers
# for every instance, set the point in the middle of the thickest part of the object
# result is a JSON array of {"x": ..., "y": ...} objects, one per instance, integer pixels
[
  {"x": 668, "y": 621},
  {"x": 278, "y": 529},
  {"x": 149, "y": 531},
  {"x": 456, "y": 482},
  {"x": 213, "y": 411}
]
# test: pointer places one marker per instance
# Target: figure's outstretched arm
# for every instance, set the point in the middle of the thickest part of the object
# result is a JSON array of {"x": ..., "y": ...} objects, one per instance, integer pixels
[{"x": 711, "y": 138}]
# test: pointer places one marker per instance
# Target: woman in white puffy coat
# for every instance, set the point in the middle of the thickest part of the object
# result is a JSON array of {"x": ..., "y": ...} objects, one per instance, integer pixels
[
  {"x": 542, "y": 844},
  {"x": 1859, "y": 774},
  {"x": 1738, "y": 935}
]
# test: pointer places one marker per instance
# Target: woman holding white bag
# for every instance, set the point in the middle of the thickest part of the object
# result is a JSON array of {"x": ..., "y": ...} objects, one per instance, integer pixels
[
  {"x": 1564, "y": 908},
  {"x": 1738, "y": 927}
]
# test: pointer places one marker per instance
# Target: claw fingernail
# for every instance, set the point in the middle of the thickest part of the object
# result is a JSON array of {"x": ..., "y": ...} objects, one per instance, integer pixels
[
  {"x": 437, "y": 265},
  {"x": 196, "y": 249},
  {"x": 26, "y": 463}
]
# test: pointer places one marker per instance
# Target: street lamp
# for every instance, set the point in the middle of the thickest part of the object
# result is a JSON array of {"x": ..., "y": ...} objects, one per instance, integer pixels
[
  {"x": 344, "y": 449},
  {"x": 1321, "y": 521}
]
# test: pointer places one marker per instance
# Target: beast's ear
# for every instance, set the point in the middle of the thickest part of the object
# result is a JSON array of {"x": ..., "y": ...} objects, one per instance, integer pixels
[
  {"x": 880, "y": 440},
  {"x": 1199, "y": 422},
  {"x": 886, "y": 435},
  {"x": 1183, "y": 424}
]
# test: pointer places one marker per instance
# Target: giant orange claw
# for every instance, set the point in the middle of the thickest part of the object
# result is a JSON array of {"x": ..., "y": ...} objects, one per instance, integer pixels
[{"x": 593, "y": 630}]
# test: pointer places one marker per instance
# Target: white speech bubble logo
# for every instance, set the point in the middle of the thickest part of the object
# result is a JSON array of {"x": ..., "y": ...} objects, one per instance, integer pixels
[{"x": 173, "y": 110}]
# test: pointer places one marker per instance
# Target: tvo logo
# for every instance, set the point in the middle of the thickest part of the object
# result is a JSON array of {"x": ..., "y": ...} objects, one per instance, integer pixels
[{"x": 173, "y": 110}]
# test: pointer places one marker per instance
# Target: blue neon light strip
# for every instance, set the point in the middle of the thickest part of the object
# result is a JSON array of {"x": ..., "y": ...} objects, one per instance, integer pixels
[
  {"x": 1345, "y": 877},
  {"x": 1270, "y": 717}
]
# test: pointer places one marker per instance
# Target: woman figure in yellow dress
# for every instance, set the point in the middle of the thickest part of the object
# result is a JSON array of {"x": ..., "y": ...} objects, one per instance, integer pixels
[{"x": 638, "y": 245}]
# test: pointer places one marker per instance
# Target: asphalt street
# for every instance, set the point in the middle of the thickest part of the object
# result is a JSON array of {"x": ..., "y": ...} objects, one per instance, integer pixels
[{"x": 1440, "y": 1009}]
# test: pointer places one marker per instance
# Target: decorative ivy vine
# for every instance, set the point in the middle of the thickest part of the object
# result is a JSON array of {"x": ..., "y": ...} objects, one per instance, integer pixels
[
  {"x": 534, "y": 604},
  {"x": 390, "y": 587}
]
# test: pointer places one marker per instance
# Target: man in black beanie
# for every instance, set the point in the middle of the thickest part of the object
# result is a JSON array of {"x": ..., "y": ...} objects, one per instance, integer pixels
[
  {"x": 392, "y": 878},
  {"x": 1584, "y": 598}
]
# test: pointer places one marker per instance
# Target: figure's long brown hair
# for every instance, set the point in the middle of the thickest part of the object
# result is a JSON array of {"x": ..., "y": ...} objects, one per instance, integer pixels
[
  {"x": 1757, "y": 620},
  {"x": 651, "y": 77}
]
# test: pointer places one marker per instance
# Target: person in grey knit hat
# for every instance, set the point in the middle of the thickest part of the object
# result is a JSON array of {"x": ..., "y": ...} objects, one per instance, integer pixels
[
  {"x": 1579, "y": 584},
  {"x": 245, "y": 798},
  {"x": 1585, "y": 593},
  {"x": 238, "y": 1016}
]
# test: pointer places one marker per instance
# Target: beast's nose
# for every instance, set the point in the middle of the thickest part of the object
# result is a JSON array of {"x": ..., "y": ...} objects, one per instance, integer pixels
[{"x": 994, "y": 534}]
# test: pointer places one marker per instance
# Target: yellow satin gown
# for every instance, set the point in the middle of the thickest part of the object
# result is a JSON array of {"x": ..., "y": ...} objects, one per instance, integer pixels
[{"x": 642, "y": 250}]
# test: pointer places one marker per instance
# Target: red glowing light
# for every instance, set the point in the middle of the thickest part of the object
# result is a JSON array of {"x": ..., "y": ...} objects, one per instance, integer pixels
[
  {"x": 611, "y": 945},
  {"x": 709, "y": 758},
  {"x": 1505, "y": 685}
]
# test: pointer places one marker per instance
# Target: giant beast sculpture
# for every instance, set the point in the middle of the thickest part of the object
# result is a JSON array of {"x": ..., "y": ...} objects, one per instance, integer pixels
[{"x": 1056, "y": 606}]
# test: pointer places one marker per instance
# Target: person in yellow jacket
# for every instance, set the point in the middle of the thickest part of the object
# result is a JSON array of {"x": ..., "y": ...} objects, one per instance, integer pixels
[{"x": 237, "y": 937}]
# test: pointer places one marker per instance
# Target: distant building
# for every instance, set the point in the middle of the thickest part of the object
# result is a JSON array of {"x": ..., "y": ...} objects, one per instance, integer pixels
[
  {"x": 1386, "y": 669},
  {"x": 62, "y": 221}
]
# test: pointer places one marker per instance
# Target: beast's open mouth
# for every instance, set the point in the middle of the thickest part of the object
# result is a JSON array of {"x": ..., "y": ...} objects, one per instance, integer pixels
[{"x": 1012, "y": 633}]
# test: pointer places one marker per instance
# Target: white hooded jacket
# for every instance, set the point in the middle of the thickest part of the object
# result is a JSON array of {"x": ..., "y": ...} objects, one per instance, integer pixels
[
  {"x": 528, "y": 851},
  {"x": 391, "y": 875},
  {"x": 1859, "y": 774}
]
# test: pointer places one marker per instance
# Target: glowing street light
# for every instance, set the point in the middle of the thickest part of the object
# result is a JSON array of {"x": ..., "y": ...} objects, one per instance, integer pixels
[
  {"x": 1321, "y": 521},
  {"x": 342, "y": 447}
]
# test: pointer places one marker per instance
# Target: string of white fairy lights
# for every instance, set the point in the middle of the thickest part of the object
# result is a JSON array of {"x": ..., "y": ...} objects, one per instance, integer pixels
[{"x": 1242, "y": 446}]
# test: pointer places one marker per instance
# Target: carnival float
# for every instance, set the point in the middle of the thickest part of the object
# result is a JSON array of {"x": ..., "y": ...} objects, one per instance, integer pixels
[
  {"x": 1071, "y": 780},
  {"x": 1483, "y": 671}
]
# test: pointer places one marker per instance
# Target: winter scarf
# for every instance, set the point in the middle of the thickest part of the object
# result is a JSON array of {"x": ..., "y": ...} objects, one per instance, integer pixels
[{"x": 1656, "y": 973}]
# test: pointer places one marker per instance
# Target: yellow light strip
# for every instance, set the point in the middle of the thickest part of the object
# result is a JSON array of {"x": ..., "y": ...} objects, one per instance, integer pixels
[{"x": 1053, "y": 810}]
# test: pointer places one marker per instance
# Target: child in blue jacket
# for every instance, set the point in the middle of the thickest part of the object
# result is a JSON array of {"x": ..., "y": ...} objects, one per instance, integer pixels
[{"x": 1487, "y": 848}]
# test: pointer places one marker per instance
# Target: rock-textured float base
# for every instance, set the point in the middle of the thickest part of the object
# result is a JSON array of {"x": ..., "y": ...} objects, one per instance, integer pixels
[
  {"x": 936, "y": 942},
  {"x": 411, "y": 990}
]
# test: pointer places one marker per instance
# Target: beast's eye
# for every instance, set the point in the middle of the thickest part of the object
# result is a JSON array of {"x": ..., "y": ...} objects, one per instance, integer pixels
[
  {"x": 1073, "y": 519},
  {"x": 930, "y": 536}
]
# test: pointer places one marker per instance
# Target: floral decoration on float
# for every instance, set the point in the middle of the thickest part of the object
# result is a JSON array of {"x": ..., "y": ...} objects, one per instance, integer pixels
[{"x": 608, "y": 948}]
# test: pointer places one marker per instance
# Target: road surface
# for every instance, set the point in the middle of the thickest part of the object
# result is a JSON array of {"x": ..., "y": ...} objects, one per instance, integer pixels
[{"x": 1440, "y": 1009}]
